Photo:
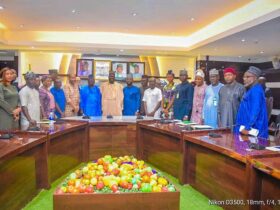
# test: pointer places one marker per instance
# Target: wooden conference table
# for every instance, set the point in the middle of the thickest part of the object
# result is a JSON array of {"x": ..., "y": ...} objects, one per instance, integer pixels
[
  {"x": 265, "y": 182},
  {"x": 31, "y": 160},
  {"x": 162, "y": 144},
  {"x": 116, "y": 136},
  {"x": 23, "y": 168},
  {"x": 220, "y": 167}
]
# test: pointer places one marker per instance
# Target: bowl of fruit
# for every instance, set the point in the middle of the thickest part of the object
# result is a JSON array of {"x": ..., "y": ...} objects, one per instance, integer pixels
[{"x": 124, "y": 180}]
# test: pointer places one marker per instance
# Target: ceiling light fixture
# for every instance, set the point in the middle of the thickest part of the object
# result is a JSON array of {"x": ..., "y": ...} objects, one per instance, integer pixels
[
  {"x": 192, "y": 19},
  {"x": 134, "y": 14},
  {"x": 73, "y": 11},
  {"x": 121, "y": 50},
  {"x": 32, "y": 47},
  {"x": 243, "y": 40},
  {"x": 78, "y": 27},
  {"x": 21, "y": 25},
  {"x": 1, "y": 7},
  {"x": 240, "y": 56},
  {"x": 261, "y": 52}
]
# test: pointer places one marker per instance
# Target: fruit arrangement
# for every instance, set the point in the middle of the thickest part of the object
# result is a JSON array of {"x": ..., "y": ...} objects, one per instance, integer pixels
[{"x": 115, "y": 175}]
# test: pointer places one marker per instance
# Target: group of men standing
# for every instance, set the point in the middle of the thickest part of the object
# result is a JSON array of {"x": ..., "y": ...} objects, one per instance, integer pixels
[{"x": 232, "y": 105}]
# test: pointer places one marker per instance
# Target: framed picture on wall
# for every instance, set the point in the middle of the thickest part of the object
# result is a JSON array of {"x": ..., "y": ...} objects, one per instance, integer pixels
[
  {"x": 102, "y": 69},
  {"x": 84, "y": 67},
  {"x": 120, "y": 69},
  {"x": 137, "y": 69}
]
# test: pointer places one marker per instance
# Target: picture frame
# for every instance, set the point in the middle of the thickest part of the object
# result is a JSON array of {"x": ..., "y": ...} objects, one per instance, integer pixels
[
  {"x": 137, "y": 69},
  {"x": 120, "y": 69},
  {"x": 102, "y": 69},
  {"x": 84, "y": 67}
]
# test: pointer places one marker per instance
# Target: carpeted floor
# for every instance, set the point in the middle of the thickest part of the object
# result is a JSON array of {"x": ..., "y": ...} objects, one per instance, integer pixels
[{"x": 189, "y": 197}]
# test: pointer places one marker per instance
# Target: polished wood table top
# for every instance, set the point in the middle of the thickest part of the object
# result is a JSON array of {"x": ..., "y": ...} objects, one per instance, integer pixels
[
  {"x": 59, "y": 127},
  {"x": 20, "y": 142},
  {"x": 114, "y": 120},
  {"x": 233, "y": 145},
  {"x": 170, "y": 128},
  {"x": 269, "y": 165}
]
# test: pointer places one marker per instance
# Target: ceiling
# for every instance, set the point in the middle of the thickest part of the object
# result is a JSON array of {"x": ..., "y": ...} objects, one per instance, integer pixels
[
  {"x": 152, "y": 17},
  {"x": 259, "y": 41},
  {"x": 143, "y": 27}
]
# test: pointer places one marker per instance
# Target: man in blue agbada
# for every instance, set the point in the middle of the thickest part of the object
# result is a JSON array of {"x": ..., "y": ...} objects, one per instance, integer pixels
[
  {"x": 211, "y": 100},
  {"x": 252, "y": 112},
  {"x": 59, "y": 97},
  {"x": 183, "y": 98},
  {"x": 132, "y": 97},
  {"x": 91, "y": 98}
]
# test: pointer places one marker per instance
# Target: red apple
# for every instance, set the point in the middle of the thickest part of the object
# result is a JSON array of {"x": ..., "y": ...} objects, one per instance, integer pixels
[
  {"x": 100, "y": 185},
  {"x": 129, "y": 186},
  {"x": 115, "y": 171},
  {"x": 82, "y": 188},
  {"x": 164, "y": 189},
  {"x": 114, "y": 188},
  {"x": 89, "y": 189}
]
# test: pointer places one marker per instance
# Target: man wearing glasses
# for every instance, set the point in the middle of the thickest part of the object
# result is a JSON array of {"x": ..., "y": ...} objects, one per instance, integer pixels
[{"x": 252, "y": 115}]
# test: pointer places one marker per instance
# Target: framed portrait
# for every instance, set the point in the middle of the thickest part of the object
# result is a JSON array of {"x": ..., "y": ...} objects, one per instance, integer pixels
[
  {"x": 137, "y": 69},
  {"x": 102, "y": 69},
  {"x": 84, "y": 67},
  {"x": 120, "y": 69}
]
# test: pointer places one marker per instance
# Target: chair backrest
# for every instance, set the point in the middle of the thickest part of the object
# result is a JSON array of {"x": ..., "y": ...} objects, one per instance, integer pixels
[{"x": 277, "y": 131}]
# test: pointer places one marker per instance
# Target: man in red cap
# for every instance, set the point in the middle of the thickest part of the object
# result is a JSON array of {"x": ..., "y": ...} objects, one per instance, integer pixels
[{"x": 230, "y": 96}]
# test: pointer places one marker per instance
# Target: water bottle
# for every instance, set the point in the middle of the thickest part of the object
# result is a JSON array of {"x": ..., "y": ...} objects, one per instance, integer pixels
[
  {"x": 51, "y": 123},
  {"x": 215, "y": 102},
  {"x": 171, "y": 115},
  {"x": 51, "y": 116}
]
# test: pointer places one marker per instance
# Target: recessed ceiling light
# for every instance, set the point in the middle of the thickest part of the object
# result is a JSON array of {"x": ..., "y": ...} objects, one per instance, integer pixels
[
  {"x": 192, "y": 19},
  {"x": 121, "y": 50},
  {"x": 261, "y": 52},
  {"x": 32, "y": 47},
  {"x": 73, "y": 11},
  {"x": 243, "y": 40},
  {"x": 1, "y": 7},
  {"x": 21, "y": 25},
  {"x": 134, "y": 14}
]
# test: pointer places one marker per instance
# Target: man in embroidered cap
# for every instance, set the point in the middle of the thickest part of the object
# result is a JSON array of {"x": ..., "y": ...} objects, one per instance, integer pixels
[
  {"x": 252, "y": 112},
  {"x": 132, "y": 97},
  {"x": 198, "y": 97},
  {"x": 30, "y": 102},
  {"x": 230, "y": 96},
  {"x": 183, "y": 98},
  {"x": 211, "y": 100}
]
